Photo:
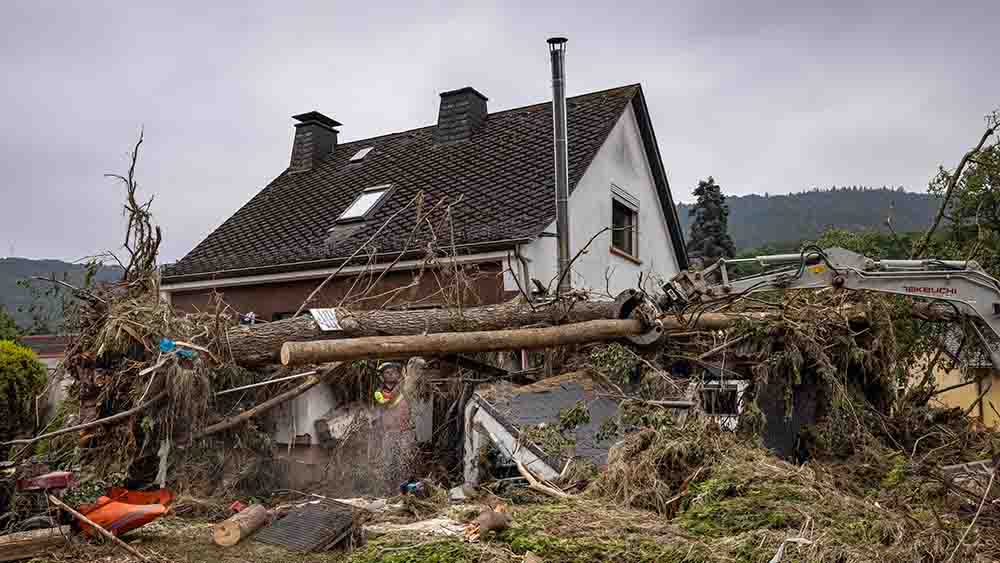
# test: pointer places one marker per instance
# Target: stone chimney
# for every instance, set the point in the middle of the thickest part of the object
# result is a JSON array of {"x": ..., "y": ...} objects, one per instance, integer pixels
[
  {"x": 462, "y": 112},
  {"x": 315, "y": 138}
]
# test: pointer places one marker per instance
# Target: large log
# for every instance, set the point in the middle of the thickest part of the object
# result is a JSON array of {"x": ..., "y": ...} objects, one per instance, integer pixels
[
  {"x": 25, "y": 545},
  {"x": 261, "y": 344},
  {"x": 297, "y": 353},
  {"x": 240, "y": 526}
]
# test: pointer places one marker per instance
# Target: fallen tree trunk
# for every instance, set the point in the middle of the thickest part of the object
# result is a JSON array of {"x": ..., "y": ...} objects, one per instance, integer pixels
[
  {"x": 234, "y": 421},
  {"x": 240, "y": 526},
  {"x": 344, "y": 349},
  {"x": 297, "y": 353},
  {"x": 25, "y": 545},
  {"x": 261, "y": 344}
]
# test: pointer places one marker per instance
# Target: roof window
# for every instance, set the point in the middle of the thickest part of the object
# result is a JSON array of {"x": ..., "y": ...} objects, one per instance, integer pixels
[
  {"x": 364, "y": 203},
  {"x": 361, "y": 154}
]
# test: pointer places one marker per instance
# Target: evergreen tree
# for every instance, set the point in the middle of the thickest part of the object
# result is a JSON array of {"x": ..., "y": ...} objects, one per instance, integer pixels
[{"x": 709, "y": 238}]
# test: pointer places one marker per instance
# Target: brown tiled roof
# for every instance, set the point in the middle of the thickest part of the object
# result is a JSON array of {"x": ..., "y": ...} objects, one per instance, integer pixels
[{"x": 503, "y": 174}]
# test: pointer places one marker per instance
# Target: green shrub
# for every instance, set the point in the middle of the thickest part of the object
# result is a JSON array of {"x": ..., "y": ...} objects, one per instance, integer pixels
[{"x": 22, "y": 377}]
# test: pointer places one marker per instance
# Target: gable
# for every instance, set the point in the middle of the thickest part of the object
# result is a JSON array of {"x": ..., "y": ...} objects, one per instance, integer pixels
[{"x": 623, "y": 170}]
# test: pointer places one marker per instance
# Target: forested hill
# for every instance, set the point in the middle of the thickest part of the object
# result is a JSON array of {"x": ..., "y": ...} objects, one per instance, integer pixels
[
  {"x": 14, "y": 298},
  {"x": 756, "y": 220}
]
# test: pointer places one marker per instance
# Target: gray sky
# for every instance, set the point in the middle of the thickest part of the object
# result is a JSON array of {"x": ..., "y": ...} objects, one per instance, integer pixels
[{"x": 765, "y": 96}]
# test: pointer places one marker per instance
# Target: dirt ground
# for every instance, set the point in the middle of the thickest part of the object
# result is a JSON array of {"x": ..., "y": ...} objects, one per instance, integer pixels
[{"x": 185, "y": 541}]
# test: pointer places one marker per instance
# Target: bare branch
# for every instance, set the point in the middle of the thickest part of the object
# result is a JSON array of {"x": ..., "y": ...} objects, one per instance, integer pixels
[
  {"x": 344, "y": 264},
  {"x": 949, "y": 190}
]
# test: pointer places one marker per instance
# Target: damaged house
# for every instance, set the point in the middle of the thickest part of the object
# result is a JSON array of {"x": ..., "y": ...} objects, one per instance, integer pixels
[{"x": 494, "y": 170}]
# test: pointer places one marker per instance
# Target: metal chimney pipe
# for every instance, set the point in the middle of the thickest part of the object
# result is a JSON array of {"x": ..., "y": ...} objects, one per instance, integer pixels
[{"x": 557, "y": 52}]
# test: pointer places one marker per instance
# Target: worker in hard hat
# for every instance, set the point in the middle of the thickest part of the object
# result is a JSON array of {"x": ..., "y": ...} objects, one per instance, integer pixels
[{"x": 390, "y": 374}]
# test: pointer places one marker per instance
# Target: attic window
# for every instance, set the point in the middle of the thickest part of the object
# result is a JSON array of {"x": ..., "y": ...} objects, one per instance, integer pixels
[
  {"x": 361, "y": 154},
  {"x": 624, "y": 222},
  {"x": 364, "y": 203}
]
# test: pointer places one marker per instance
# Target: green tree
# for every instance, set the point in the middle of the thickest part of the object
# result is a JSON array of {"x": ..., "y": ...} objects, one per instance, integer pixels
[
  {"x": 967, "y": 225},
  {"x": 709, "y": 238},
  {"x": 8, "y": 328},
  {"x": 22, "y": 377}
]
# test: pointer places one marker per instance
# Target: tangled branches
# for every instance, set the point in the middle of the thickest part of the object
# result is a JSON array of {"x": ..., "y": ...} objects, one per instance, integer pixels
[{"x": 142, "y": 237}]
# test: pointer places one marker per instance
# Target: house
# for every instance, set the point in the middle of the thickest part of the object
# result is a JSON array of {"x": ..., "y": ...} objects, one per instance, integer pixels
[
  {"x": 334, "y": 196},
  {"x": 964, "y": 374},
  {"x": 495, "y": 170}
]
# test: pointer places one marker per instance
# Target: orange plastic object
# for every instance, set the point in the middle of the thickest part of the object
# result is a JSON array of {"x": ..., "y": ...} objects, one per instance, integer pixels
[
  {"x": 124, "y": 510},
  {"x": 161, "y": 496}
]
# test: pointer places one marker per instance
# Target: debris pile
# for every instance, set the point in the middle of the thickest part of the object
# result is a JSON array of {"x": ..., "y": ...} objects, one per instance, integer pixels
[{"x": 782, "y": 426}]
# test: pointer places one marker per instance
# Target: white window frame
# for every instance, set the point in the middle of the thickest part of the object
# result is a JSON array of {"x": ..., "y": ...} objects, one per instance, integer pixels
[
  {"x": 622, "y": 197},
  {"x": 384, "y": 189}
]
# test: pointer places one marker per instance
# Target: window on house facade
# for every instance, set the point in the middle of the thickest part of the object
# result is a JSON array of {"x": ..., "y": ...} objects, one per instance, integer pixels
[
  {"x": 624, "y": 222},
  {"x": 364, "y": 203},
  {"x": 720, "y": 401}
]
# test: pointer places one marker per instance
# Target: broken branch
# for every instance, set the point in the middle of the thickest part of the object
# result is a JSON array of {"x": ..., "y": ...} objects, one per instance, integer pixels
[
  {"x": 101, "y": 422},
  {"x": 97, "y": 528},
  {"x": 262, "y": 408}
]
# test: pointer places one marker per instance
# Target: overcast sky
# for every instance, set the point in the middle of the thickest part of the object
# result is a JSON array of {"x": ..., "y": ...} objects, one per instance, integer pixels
[{"x": 765, "y": 96}]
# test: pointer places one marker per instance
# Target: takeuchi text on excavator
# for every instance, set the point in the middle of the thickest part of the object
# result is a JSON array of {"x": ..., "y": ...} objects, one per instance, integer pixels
[{"x": 962, "y": 285}]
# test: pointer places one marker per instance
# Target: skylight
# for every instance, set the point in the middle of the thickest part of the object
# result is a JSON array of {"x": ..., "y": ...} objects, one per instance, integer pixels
[
  {"x": 361, "y": 154},
  {"x": 364, "y": 203}
]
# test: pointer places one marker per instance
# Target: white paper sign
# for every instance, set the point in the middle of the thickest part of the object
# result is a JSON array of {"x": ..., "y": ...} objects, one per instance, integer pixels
[{"x": 326, "y": 319}]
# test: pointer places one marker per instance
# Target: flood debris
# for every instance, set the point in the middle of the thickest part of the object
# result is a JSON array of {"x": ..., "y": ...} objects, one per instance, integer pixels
[{"x": 785, "y": 427}]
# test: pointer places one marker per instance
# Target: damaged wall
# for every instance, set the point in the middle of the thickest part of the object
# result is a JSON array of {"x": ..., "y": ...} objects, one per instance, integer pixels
[{"x": 355, "y": 448}]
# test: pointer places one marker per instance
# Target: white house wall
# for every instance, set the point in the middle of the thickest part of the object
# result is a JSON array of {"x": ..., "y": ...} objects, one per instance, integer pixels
[{"x": 620, "y": 161}]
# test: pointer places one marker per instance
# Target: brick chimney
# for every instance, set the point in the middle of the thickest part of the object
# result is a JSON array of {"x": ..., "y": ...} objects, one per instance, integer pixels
[
  {"x": 462, "y": 112},
  {"x": 315, "y": 137}
]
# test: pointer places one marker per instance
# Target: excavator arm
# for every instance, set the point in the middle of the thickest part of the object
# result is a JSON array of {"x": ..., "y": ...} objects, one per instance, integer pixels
[{"x": 964, "y": 285}]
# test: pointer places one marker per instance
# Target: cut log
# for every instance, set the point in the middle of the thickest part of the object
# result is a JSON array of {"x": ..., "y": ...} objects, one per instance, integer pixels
[
  {"x": 261, "y": 344},
  {"x": 240, "y": 526},
  {"x": 25, "y": 545},
  {"x": 297, "y": 353}
]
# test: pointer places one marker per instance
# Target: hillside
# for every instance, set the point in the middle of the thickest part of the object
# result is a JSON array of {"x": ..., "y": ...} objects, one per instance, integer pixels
[
  {"x": 13, "y": 297},
  {"x": 755, "y": 220}
]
